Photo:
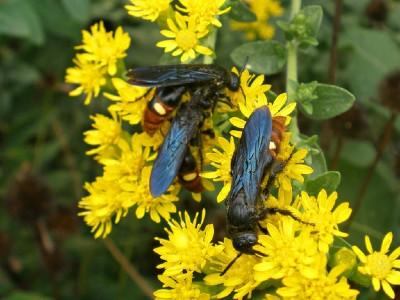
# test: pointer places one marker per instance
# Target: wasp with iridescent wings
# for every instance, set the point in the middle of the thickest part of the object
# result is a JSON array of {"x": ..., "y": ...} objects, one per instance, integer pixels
[{"x": 205, "y": 85}]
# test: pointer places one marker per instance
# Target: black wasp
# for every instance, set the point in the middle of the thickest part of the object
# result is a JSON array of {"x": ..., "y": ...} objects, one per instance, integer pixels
[
  {"x": 254, "y": 158},
  {"x": 205, "y": 84}
]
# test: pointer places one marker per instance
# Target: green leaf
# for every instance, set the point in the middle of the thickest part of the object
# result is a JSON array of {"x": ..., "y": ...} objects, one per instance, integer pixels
[
  {"x": 314, "y": 14},
  {"x": 19, "y": 19},
  {"x": 315, "y": 158},
  {"x": 78, "y": 9},
  {"x": 329, "y": 181},
  {"x": 375, "y": 54},
  {"x": 25, "y": 296},
  {"x": 267, "y": 57},
  {"x": 330, "y": 101},
  {"x": 241, "y": 12}
]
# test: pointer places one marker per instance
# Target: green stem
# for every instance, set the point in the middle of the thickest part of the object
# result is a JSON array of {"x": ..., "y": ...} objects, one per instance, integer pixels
[{"x": 291, "y": 72}]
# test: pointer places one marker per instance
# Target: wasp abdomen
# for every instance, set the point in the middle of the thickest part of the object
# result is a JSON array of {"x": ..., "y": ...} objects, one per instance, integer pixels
[{"x": 156, "y": 112}]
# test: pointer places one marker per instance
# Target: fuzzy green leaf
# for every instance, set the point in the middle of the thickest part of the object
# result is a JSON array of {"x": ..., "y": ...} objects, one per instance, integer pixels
[
  {"x": 330, "y": 101},
  {"x": 329, "y": 181},
  {"x": 267, "y": 57}
]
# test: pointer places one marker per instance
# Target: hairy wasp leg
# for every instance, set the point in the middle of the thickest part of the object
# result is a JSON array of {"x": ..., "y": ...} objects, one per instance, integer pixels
[{"x": 285, "y": 212}]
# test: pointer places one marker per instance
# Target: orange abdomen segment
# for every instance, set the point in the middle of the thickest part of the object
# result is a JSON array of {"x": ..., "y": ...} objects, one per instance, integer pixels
[{"x": 191, "y": 181}]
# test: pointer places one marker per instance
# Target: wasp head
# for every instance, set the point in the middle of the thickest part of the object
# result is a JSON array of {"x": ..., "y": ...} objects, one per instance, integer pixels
[{"x": 244, "y": 241}]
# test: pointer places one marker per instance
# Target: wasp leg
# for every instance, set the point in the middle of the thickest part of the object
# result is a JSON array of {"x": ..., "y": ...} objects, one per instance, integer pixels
[{"x": 274, "y": 210}]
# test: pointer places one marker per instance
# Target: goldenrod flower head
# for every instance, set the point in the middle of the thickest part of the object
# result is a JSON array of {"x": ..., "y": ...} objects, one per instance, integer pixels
[
  {"x": 184, "y": 36},
  {"x": 294, "y": 167},
  {"x": 147, "y": 9},
  {"x": 106, "y": 133},
  {"x": 264, "y": 10},
  {"x": 319, "y": 212},
  {"x": 103, "y": 47},
  {"x": 287, "y": 251},
  {"x": 324, "y": 286},
  {"x": 105, "y": 200},
  {"x": 221, "y": 161},
  {"x": 252, "y": 89},
  {"x": 89, "y": 75},
  {"x": 239, "y": 278},
  {"x": 127, "y": 167},
  {"x": 131, "y": 100},
  {"x": 204, "y": 12},
  {"x": 187, "y": 247},
  {"x": 180, "y": 287},
  {"x": 154, "y": 141},
  {"x": 277, "y": 108},
  {"x": 381, "y": 267},
  {"x": 161, "y": 206}
]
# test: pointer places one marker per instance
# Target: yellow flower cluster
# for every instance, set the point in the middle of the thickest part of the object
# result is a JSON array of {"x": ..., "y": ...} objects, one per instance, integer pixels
[
  {"x": 260, "y": 29},
  {"x": 185, "y": 24},
  {"x": 100, "y": 56}
]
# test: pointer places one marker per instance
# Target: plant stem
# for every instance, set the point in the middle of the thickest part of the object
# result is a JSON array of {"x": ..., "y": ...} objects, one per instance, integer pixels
[
  {"x": 291, "y": 72},
  {"x": 129, "y": 268}
]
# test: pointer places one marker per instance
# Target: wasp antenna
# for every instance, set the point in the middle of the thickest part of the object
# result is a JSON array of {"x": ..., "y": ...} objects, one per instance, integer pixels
[
  {"x": 244, "y": 66},
  {"x": 231, "y": 263}
]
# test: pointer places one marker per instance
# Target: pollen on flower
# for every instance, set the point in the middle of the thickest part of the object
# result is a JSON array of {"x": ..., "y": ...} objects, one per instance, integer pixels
[
  {"x": 103, "y": 47},
  {"x": 221, "y": 161},
  {"x": 89, "y": 75},
  {"x": 381, "y": 267},
  {"x": 184, "y": 34},
  {"x": 319, "y": 211},
  {"x": 106, "y": 134},
  {"x": 130, "y": 102},
  {"x": 180, "y": 287},
  {"x": 147, "y": 9},
  {"x": 187, "y": 247},
  {"x": 105, "y": 201},
  {"x": 287, "y": 250},
  {"x": 240, "y": 276},
  {"x": 204, "y": 12}
]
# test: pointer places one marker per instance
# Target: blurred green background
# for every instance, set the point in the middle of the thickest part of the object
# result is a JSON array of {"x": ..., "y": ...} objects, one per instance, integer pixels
[{"x": 46, "y": 252}]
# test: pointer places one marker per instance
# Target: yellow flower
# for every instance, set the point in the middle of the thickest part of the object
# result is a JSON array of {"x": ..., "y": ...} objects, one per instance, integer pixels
[
  {"x": 161, "y": 206},
  {"x": 181, "y": 287},
  {"x": 252, "y": 88},
  {"x": 239, "y": 278},
  {"x": 126, "y": 168},
  {"x": 293, "y": 164},
  {"x": 105, "y": 200},
  {"x": 105, "y": 135},
  {"x": 319, "y": 212},
  {"x": 187, "y": 247},
  {"x": 131, "y": 100},
  {"x": 287, "y": 251},
  {"x": 277, "y": 108},
  {"x": 104, "y": 48},
  {"x": 147, "y": 9},
  {"x": 323, "y": 287},
  {"x": 89, "y": 75},
  {"x": 221, "y": 161},
  {"x": 204, "y": 12},
  {"x": 383, "y": 268},
  {"x": 184, "y": 38},
  {"x": 264, "y": 10}
]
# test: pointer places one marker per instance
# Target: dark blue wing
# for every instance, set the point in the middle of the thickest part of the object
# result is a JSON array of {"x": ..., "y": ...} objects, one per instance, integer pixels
[
  {"x": 172, "y": 75},
  {"x": 252, "y": 154},
  {"x": 172, "y": 152}
]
